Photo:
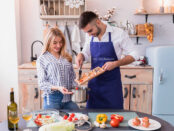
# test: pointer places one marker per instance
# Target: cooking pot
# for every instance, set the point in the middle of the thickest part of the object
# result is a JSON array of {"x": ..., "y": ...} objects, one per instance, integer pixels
[{"x": 79, "y": 94}]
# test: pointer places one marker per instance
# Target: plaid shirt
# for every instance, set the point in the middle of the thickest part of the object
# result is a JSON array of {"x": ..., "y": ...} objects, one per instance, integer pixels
[{"x": 55, "y": 72}]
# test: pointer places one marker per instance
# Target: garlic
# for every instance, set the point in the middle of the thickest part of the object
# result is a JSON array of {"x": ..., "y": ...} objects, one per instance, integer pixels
[
  {"x": 103, "y": 125},
  {"x": 85, "y": 117},
  {"x": 96, "y": 124}
]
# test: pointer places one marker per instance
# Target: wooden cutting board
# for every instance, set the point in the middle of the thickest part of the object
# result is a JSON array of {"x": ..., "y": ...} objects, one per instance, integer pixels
[{"x": 90, "y": 75}]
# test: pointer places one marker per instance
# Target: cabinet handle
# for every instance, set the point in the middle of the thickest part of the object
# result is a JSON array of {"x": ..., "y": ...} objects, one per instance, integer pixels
[
  {"x": 36, "y": 92},
  {"x": 35, "y": 76},
  {"x": 126, "y": 92},
  {"x": 130, "y": 77},
  {"x": 134, "y": 92}
]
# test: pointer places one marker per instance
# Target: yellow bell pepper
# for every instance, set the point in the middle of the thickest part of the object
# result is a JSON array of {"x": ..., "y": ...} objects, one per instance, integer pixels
[{"x": 101, "y": 118}]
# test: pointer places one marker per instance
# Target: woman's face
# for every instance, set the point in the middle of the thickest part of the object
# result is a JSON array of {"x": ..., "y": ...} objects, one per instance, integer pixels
[{"x": 56, "y": 45}]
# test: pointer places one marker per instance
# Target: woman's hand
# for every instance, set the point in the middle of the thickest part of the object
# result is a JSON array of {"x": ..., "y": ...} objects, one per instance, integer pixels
[{"x": 62, "y": 89}]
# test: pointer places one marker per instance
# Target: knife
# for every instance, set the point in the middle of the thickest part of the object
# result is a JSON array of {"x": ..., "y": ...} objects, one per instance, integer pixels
[
  {"x": 62, "y": 113},
  {"x": 80, "y": 71}
]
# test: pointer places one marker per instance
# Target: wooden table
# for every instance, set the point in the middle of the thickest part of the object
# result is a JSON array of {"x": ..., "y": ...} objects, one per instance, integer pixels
[{"x": 165, "y": 126}]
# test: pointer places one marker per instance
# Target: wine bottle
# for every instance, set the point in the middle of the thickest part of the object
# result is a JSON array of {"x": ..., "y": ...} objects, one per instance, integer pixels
[{"x": 12, "y": 112}]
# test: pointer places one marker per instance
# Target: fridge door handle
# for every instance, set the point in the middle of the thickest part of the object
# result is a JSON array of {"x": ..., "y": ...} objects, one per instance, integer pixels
[{"x": 161, "y": 76}]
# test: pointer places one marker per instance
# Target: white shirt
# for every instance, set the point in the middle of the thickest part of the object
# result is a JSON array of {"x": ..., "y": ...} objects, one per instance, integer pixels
[{"x": 123, "y": 45}]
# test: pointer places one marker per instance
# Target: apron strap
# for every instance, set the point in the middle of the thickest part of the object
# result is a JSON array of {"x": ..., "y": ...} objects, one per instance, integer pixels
[
  {"x": 92, "y": 39},
  {"x": 109, "y": 36}
]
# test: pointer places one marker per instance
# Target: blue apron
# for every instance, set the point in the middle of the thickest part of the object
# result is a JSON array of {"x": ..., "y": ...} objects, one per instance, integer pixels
[{"x": 106, "y": 89}]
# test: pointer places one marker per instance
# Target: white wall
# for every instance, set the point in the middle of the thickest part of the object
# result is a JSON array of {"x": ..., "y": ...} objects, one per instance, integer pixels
[
  {"x": 32, "y": 25},
  {"x": 8, "y": 55}
]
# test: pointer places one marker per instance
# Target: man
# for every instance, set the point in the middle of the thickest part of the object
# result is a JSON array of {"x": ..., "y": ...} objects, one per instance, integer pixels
[{"x": 105, "y": 45}]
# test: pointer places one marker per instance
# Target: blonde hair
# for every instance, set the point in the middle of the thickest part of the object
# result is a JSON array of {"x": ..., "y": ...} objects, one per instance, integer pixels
[{"x": 51, "y": 34}]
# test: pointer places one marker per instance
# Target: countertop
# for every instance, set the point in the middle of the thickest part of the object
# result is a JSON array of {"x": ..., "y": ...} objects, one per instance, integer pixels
[
  {"x": 165, "y": 126},
  {"x": 32, "y": 65}
]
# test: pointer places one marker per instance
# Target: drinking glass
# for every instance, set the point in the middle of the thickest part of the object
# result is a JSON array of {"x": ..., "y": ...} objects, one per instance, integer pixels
[{"x": 26, "y": 115}]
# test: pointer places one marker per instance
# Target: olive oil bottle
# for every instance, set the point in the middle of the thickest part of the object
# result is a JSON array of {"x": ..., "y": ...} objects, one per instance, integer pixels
[{"x": 12, "y": 114}]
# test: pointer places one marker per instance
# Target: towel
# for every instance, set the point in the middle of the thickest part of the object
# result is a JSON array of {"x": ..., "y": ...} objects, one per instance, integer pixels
[
  {"x": 68, "y": 40},
  {"x": 75, "y": 38},
  {"x": 45, "y": 31}
]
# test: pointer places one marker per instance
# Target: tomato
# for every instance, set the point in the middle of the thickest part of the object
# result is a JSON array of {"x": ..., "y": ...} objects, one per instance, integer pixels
[
  {"x": 39, "y": 116},
  {"x": 112, "y": 116},
  {"x": 70, "y": 119},
  {"x": 65, "y": 117},
  {"x": 116, "y": 116},
  {"x": 114, "y": 122},
  {"x": 76, "y": 119},
  {"x": 47, "y": 116},
  {"x": 81, "y": 80},
  {"x": 39, "y": 123},
  {"x": 72, "y": 115}
]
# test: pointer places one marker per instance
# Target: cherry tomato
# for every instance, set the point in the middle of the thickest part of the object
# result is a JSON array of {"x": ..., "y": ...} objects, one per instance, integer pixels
[
  {"x": 47, "y": 116},
  {"x": 39, "y": 123},
  {"x": 114, "y": 122},
  {"x": 65, "y": 117},
  {"x": 39, "y": 116},
  {"x": 76, "y": 119},
  {"x": 72, "y": 115},
  {"x": 70, "y": 119}
]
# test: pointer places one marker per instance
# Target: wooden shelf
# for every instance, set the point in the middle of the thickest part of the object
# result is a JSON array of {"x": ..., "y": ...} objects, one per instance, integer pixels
[
  {"x": 135, "y": 36},
  {"x": 57, "y": 10},
  {"x": 153, "y": 13},
  {"x": 58, "y": 17}
]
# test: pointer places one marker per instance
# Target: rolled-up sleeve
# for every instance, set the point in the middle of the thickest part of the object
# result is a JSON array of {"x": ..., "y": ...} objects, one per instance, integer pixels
[
  {"x": 86, "y": 49},
  {"x": 128, "y": 46},
  {"x": 42, "y": 77}
]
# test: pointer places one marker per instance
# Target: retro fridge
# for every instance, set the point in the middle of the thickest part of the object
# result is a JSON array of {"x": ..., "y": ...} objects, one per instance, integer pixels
[{"x": 162, "y": 59}]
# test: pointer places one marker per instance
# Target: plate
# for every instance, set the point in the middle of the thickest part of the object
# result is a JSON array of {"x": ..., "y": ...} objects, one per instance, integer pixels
[
  {"x": 44, "y": 117},
  {"x": 154, "y": 125}
]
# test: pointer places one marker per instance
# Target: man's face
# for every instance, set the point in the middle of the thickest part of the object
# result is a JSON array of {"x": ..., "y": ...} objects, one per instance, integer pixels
[{"x": 92, "y": 29}]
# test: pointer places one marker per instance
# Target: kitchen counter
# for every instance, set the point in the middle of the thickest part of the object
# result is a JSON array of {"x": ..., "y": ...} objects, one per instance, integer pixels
[
  {"x": 165, "y": 126},
  {"x": 85, "y": 66}
]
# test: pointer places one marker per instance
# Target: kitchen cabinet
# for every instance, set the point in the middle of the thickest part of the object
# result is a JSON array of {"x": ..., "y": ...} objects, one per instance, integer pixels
[
  {"x": 29, "y": 93},
  {"x": 137, "y": 87}
]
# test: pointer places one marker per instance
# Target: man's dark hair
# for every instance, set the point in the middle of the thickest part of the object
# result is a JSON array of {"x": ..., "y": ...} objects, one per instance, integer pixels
[{"x": 86, "y": 17}]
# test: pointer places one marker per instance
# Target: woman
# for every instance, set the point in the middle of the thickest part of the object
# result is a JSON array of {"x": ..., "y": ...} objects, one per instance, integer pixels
[{"x": 55, "y": 72}]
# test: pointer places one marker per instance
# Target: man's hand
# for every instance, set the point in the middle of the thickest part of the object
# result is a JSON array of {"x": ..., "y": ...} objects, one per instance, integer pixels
[
  {"x": 79, "y": 60},
  {"x": 108, "y": 66},
  {"x": 62, "y": 89}
]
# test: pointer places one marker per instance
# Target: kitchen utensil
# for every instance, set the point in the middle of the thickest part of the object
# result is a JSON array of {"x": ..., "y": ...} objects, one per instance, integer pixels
[
  {"x": 79, "y": 94},
  {"x": 154, "y": 125},
  {"x": 62, "y": 113},
  {"x": 80, "y": 71},
  {"x": 90, "y": 75}
]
